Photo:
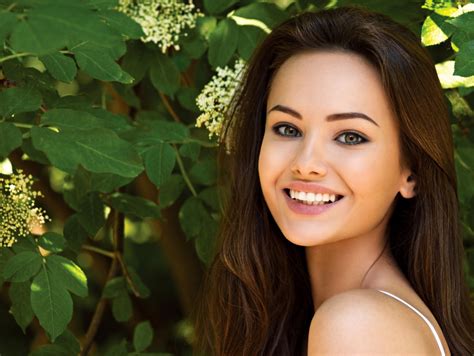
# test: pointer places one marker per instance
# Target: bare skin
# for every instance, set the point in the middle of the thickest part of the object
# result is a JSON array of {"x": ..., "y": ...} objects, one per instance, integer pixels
[{"x": 343, "y": 244}]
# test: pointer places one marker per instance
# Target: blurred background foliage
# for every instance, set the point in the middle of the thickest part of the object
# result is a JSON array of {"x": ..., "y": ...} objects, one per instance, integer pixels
[{"x": 99, "y": 101}]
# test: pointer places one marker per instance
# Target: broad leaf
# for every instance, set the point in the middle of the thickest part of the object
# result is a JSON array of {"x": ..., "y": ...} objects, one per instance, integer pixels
[
  {"x": 164, "y": 74},
  {"x": 142, "y": 336},
  {"x": 21, "y": 304},
  {"x": 18, "y": 100},
  {"x": 51, "y": 302},
  {"x": 10, "y": 138},
  {"x": 22, "y": 266},
  {"x": 159, "y": 162},
  {"x": 218, "y": 6},
  {"x": 52, "y": 242},
  {"x": 223, "y": 43},
  {"x": 71, "y": 275},
  {"x": 98, "y": 150},
  {"x": 134, "y": 206},
  {"x": 61, "y": 67}
]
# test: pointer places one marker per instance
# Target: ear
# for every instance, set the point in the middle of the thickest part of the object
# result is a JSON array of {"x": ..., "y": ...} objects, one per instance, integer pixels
[{"x": 407, "y": 189}]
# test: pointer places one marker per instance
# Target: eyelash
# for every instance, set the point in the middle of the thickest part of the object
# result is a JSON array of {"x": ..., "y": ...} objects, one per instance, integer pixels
[{"x": 277, "y": 127}]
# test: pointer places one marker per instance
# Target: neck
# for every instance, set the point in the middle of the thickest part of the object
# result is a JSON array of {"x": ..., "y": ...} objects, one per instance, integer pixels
[{"x": 346, "y": 264}]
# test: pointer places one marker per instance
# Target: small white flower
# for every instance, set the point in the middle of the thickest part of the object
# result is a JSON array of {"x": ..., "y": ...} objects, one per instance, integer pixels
[
  {"x": 18, "y": 214},
  {"x": 215, "y": 97},
  {"x": 162, "y": 21}
]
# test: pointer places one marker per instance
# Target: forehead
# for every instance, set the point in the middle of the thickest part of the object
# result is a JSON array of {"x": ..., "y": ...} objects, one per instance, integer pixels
[{"x": 326, "y": 82}]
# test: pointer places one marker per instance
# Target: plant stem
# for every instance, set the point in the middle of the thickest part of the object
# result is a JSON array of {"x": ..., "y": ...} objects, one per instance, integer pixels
[
  {"x": 118, "y": 238},
  {"x": 169, "y": 107},
  {"x": 183, "y": 172},
  {"x": 16, "y": 55},
  {"x": 25, "y": 126},
  {"x": 98, "y": 250}
]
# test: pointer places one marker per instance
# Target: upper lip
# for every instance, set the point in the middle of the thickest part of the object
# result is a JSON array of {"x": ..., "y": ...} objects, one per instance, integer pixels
[{"x": 310, "y": 188}]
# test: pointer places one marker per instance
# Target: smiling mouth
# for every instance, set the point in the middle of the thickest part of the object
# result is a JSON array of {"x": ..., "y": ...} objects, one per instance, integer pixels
[{"x": 338, "y": 197}]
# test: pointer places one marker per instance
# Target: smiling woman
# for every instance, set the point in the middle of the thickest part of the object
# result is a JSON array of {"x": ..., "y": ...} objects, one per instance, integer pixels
[{"x": 334, "y": 239}]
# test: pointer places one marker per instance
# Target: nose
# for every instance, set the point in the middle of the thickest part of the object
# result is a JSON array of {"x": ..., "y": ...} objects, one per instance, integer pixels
[{"x": 309, "y": 160}]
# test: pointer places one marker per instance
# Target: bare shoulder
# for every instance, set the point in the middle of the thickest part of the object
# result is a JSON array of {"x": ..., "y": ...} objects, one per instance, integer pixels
[{"x": 367, "y": 322}]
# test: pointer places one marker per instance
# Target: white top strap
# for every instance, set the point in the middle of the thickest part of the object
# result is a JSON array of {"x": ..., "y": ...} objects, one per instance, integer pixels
[{"x": 438, "y": 341}]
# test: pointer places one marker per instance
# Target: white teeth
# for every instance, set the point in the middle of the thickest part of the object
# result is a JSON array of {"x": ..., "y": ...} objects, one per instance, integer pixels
[{"x": 312, "y": 198}]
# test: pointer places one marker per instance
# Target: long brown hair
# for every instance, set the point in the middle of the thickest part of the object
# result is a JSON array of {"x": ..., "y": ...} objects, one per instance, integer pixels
[{"x": 256, "y": 299}]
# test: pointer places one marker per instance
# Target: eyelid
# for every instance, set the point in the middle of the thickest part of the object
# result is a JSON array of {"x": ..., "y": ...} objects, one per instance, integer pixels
[{"x": 280, "y": 124}]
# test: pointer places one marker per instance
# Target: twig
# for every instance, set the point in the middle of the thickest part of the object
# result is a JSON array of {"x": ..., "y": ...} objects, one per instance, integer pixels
[
  {"x": 98, "y": 250},
  {"x": 118, "y": 236},
  {"x": 98, "y": 313},
  {"x": 169, "y": 107},
  {"x": 13, "y": 56},
  {"x": 183, "y": 172},
  {"x": 127, "y": 276}
]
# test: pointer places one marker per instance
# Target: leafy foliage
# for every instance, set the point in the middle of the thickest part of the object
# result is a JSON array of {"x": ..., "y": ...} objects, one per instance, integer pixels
[{"x": 107, "y": 123}]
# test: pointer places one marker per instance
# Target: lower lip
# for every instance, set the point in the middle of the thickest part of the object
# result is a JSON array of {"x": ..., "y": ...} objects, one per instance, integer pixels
[{"x": 304, "y": 209}]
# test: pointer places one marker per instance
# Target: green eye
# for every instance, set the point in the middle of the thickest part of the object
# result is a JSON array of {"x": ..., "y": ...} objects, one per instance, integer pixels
[
  {"x": 286, "y": 130},
  {"x": 352, "y": 138}
]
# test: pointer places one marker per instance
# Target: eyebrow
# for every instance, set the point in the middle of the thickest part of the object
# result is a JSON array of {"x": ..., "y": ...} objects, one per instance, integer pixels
[{"x": 332, "y": 117}]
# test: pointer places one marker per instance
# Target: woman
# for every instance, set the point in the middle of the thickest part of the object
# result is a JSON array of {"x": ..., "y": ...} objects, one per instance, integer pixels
[{"x": 345, "y": 103}]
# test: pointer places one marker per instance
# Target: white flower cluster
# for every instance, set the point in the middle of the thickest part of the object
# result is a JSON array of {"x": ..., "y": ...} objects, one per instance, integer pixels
[
  {"x": 215, "y": 97},
  {"x": 18, "y": 214},
  {"x": 162, "y": 21}
]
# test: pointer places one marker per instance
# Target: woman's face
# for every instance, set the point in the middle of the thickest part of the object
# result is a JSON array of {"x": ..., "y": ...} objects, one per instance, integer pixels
[{"x": 310, "y": 147}]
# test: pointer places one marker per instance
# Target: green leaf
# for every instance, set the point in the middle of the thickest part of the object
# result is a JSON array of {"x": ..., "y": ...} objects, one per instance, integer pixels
[
  {"x": 210, "y": 196},
  {"x": 82, "y": 120},
  {"x": 122, "y": 307},
  {"x": 52, "y": 242},
  {"x": 21, "y": 304},
  {"x": 68, "y": 342},
  {"x": 115, "y": 287},
  {"x": 50, "y": 350},
  {"x": 164, "y": 74},
  {"x": 61, "y": 67},
  {"x": 10, "y": 138},
  {"x": 464, "y": 64},
  {"x": 194, "y": 44},
  {"x": 100, "y": 65},
  {"x": 91, "y": 213},
  {"x": 137, "y": 60},
  {"x": 134, "y": 206},
  {"x": 74, "y": 233},
  {"x": 187, "y": 98},
  {"x": 36, "y": 36},
  {"x": 204, "y": 172},
  {"x": 190, "y": 150},
  {"x": 122, "y": 23},
  {"x": 223, "y": 43},
  {"x": 154, "y": 132},
  {"x": 71, "y": 275},
  {"x": 171, "y": 190},
  {"x": 22, "y": 266},
  {"x": 119, "y": 349},
  {"x": 142, "y": 289},
  {"x": 159, "y": 162},
  {"x": 193, "y": 217},
  {"x": 7, "y": 23},
  {"x": 249, "y": 38},
  {"x": 98, "y": 150},
  {"x": 268, "y": 13},
  {"x": 142, "y": 336},
  {"x": 18, "y": 100},
  {"x": 5, "y": 255},
  {"x": 463, "y": 22},
  {"x": 217, "y": 6},
  {"x": 51, "y": 302},
  {"x": 435, "y": 30}
]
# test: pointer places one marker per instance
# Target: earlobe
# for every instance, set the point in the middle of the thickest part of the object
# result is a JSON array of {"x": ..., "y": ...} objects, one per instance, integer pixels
[{"x": 408, "y": 188}]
